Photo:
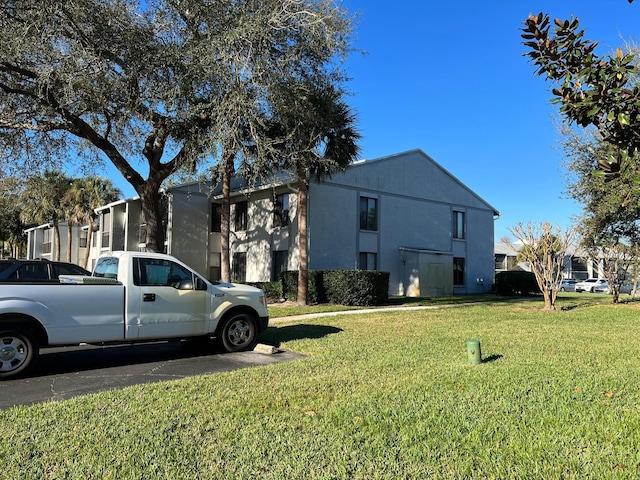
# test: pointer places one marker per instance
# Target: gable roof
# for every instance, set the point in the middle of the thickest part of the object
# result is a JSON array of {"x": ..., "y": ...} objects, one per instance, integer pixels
[{"x": 413, "y": 170}]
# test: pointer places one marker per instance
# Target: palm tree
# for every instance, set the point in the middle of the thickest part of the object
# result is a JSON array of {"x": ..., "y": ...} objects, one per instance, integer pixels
[
  {"x": 42, "y": 199},
  {"x": 87, "y": 194},
  {"x": 318, "y": 138}
]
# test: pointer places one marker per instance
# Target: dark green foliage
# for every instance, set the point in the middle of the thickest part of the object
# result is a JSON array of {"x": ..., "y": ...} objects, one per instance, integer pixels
[
  {"x": 273, "y": 290},
  {"x": 516, "y": 282},
  {"x": 344, "y": 287},
  {"x": 315, "y": 289}
]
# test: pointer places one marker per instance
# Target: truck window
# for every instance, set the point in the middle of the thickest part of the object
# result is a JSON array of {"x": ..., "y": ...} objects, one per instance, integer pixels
[
  {"x": 163, "y": 273},
  {"x": 106, "y": 267}
]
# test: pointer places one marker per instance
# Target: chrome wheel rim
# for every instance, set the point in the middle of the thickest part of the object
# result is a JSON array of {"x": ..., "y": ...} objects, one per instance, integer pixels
[{"x": 13, "y": 353}]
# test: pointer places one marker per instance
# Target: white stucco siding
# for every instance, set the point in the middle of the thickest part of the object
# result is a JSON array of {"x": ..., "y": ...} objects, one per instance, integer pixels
[{"x": 260, "y": 239}]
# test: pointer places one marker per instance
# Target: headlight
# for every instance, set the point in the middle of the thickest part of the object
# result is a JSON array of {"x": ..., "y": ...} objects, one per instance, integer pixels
[{"x": 263, "y": 301}]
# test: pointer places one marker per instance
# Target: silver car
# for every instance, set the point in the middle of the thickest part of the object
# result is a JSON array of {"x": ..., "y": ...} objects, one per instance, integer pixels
[
  {"x": 568, "y": 285},
  {"x": 629, "y": 287}
]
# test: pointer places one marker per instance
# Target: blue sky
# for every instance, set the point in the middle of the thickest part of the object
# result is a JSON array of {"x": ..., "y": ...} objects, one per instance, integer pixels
[{"x": 449, "y": 78}]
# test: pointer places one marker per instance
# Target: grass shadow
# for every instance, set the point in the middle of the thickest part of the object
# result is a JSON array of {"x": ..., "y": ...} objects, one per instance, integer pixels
[
  {"x": 276, "y": 336},
  {"x": 491, "y": 358}
]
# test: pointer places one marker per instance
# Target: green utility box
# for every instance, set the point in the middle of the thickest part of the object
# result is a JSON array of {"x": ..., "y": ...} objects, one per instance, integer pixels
[{"x": 473, "y": 351}]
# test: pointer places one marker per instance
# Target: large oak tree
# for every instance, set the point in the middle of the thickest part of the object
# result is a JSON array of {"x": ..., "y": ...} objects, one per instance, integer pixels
[{"x": 152, "y": 87}]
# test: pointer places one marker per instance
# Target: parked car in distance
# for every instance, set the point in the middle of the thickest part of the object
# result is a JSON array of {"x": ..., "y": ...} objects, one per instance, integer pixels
[
  {"x": 589, "y": 284},
  {"x": 568, "y": 285},
  {"x": 628, "y": 288},
  {"x": 601, "y": 288},
  {"x": 37, "y": 270}
]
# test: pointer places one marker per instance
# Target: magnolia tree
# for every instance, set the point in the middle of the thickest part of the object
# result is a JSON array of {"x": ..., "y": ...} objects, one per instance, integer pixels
[{"x": 545, "y": 248}]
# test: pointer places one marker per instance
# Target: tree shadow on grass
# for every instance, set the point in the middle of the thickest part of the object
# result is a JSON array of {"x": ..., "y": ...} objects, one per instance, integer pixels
[{"x": 276, "y": 336}]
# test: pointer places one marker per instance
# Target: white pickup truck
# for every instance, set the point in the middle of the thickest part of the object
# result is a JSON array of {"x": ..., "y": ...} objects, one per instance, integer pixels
[{"x": 130, "y": 297}]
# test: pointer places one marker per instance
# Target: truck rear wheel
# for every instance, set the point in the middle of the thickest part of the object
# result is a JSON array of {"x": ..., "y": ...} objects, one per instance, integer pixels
[
  {"x": 18, "y": 351},
  {"x": 238, "y": 332}
]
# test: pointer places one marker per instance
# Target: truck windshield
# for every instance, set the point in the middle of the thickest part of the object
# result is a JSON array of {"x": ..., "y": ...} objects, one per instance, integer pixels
[{"x": 106, "y": 267}]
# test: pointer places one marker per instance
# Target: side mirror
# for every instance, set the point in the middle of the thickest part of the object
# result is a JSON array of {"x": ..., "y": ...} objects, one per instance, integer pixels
[{"x": 185, "y": 285}]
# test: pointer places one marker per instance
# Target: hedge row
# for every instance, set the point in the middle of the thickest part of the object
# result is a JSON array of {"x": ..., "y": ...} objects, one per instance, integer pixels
[{"x": 343, "y": 287}]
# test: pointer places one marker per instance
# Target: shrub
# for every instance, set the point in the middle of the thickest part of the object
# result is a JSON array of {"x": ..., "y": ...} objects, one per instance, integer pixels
[
  {"x": 273, "y": 290},
  {"x": 344, "y": 287},
  {"x": 516, "y": 282}
]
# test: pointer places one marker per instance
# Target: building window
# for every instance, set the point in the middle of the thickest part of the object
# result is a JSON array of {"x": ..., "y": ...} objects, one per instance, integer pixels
[
  {"x": 142, "y": 236},
  {"x": 280, "y": 261},
  {"x": 82, "y": 241},
  {"x": 239, "y": 270},
  {"x": 215, "y": 270},
  {"x": 216, "y": 217},
  {"x": 240, "y": 216},
  {"x": 368, "y": 261},
  {"x": 369, "y": 214},
  {"x": 46, "y": 241},
  {"x": 459, "y": 225},
  {"x": 579, "y": 264},
  {"x": 281, "y": 210},
  {"x": 458, "y": 271},
  {"x": 106, "y": 229}
]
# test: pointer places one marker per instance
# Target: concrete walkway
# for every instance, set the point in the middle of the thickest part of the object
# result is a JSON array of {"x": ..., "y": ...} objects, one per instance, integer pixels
[{"x": 306, "y": 316}]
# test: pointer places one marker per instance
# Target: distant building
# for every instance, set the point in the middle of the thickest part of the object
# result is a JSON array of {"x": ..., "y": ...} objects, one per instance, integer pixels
[{"x": 577, "y": 264}]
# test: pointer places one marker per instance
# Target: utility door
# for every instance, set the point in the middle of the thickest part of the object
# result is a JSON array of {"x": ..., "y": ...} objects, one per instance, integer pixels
[
  {"x": 172, "y": 301},
  {"x": 436, "y": 275}
]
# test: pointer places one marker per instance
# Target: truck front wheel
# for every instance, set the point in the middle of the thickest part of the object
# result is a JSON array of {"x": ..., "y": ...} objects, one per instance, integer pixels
[
  {"x": 18, "y": 350},
  {"x": 238, "y": 332}
]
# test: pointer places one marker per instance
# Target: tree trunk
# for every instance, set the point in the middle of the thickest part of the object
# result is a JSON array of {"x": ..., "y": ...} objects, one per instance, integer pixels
[
  {"x": 150, "y": 201},
  {"x": 69, "y": 241},
  {"x": 225, "y": 220},
  {"x": 303, "y": 247},
  {"x": 56, "y": 235},
  {"x": 549, "y": 299},
  {"x": 87, "y": 250}
]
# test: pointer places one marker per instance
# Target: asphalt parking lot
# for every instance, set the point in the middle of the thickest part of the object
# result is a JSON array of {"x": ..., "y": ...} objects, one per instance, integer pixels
[{"x": 63, "y": 373}]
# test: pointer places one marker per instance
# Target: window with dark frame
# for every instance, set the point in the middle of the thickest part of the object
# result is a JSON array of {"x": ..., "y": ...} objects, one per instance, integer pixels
[
  {"x": 106, "y": 229},
  {"x": 459, "y": 225},
  {"x": 280, "y": 262},
  {"x": 240, "y": 217},
  {"x": 368, "y": 261},
  {"x": 215, "y": 269},
  {"x": 369, "y": 214},
  {"x": 239, "y": 269},
  {"x": 216, "y": 217},
  {"x": 281, "y": 210},
  {"x": 458, "y": 271},
  {"x": 46, "y": 241}
]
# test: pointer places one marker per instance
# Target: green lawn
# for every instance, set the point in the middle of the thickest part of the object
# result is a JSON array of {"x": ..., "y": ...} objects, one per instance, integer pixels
[{"x": 382, "y": 395}]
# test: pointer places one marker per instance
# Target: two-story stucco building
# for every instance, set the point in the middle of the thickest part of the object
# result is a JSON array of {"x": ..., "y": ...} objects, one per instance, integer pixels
[{"x": 403, "y": 213}]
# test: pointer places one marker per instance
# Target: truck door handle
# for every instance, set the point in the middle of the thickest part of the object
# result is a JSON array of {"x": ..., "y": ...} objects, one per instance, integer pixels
[{"x": 149, "y": 297}]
